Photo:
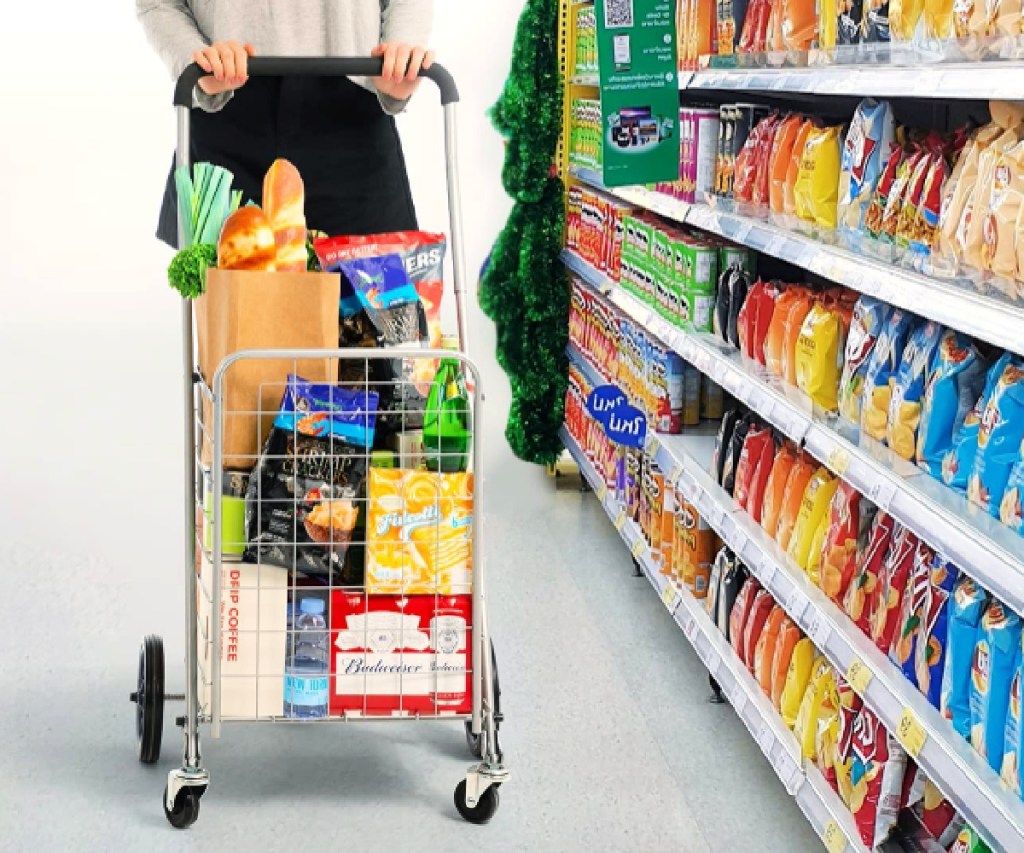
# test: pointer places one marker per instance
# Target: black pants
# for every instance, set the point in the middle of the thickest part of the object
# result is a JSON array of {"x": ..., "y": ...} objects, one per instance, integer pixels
[{"x": 344, "y": 146}]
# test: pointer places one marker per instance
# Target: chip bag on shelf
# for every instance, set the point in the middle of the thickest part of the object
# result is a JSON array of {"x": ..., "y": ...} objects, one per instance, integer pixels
[
  {"x": 759, "y": 442},
  {"x": 757, "y": 620},
  {"x": 909, "y": 632},
  {"x": 1013, "y": 737},
  {"x": 793, "y": 171},
  {"x": 838, "y": 559},
  {"x": 999, "y": 229},
  {"x": 734, "y": 577},
  {"x": 908, "y": 388},
  {"x": 792, "y": 325},
  {"x": 764, "y": 649},
  {"x": 965, "y": 611},
  {"x": 867, "y": 144},
  {"x": 814, "y": 504},
  {"x": 739, "y": 613},
  {"x": 878, "y": 379},
  {"x": 938, "y": 816},
  {"x": 885, "y": 186},
  {"x": 869, "y": 317},
  {"x": 814, "y": 557},
  {"x": 970, "y": 239},
  {"x": 816, "y": 193},
  {"x": 791, "y": 300},
  {"x": 781, "y": 156},
  {"x": 1011, "y": 507},
  {"x": 999, "y": 439},
  {"x": 755, "y": 318},
  {"x": 775, "y": 487},
  {"x": 892, "y": 582},
  {"x": 815, "y": 703},
  {"x": 876, "y": 778},
  {"x": 904, "y": 16},
  {"x": 798, "y": 676},
  {"x": 864, "y": 589},
  {"x": 788, "y": 640},
  {"x": 996, "y": 657},
  {"x": 792, "y": 498},
  {"x": 899, "y": 191},
  {"x": 799, "y": 24},
  {"x": 937, "y": 20},
  {"x": 819, "y": 355},
  {"x": 933, "y": 640}
]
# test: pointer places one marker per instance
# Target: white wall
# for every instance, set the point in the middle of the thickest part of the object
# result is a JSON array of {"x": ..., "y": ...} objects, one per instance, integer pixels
[{"x": 90, "y": 431}]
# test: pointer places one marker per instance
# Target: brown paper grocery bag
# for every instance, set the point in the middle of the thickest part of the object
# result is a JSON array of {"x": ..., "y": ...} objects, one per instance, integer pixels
[{"x": 261, "y": 310}]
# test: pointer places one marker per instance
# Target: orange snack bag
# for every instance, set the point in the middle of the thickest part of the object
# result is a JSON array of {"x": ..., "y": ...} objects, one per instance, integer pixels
[
  {"x": 418, "y": 530},
  {"x": 799, "y": 476},
  {"x": 774, "y": 39},
  {"x": 781, "y": 156},
  {"x": 792, "y": 323},
  {"x": 791, "y": 299},
  {"x": 793, "y": 171},
  {"x": 839, "y": 548},
  {"x": 789, "y": 636},
  {"x": 799, "y": 24},
  {"x": 775, "y": 488},
  {"x": 764, "y": 651}
]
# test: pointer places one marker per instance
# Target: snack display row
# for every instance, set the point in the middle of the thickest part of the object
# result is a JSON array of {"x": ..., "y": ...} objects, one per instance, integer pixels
[
  {"x": 586, "y": 142},
  {"x": 585, "y": 46}
]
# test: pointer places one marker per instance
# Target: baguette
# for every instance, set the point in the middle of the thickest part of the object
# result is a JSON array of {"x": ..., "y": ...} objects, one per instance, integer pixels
[
  {"x": 284, "y": 200},
  {"x": 247, "y": 242}
]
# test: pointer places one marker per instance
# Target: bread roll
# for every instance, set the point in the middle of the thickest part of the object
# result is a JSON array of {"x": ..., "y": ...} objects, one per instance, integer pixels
[
  {"x": 247, "y": 242},
  {"x": 284, "y": 200}
]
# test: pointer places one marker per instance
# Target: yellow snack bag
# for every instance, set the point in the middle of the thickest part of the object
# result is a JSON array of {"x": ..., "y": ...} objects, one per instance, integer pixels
[
  {"x": 969, "y": 235},
  {"x": 938, "y": 19},
  {"x": 797, "y": 677},
  {"x": 816, "y": 194},
  {"x": 817, "y": 550},
  {"x": 418, "y": 529},
  {"x": 793, "y": 172},
  {"x": 819, "y": 355},
  {"x": 826, "y": 738},
  {"x": 811, "y": 706},
  {"x": 813, "y": 507},
  {"x": 903, "y": 18}
]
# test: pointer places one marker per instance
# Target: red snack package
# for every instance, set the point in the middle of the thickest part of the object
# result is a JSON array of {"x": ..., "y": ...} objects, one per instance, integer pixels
[
  {"x": 892, "y": 583},
  {"x": 758, "y": 441},
  {"x": 759, "y": 481},
  {"x": 766, "y": 144},
  {"x": 755, "y": 26},
  {"x": 938, "y": 816},
  {"x": 850, "y": 704},
  {"x": 755, "y": 318},
  {"x": 864, "y": 589},
  {"x": 748, "y": 162},
  {"x": 764, "y": 650},
  {"x": 839, "y": 550},
  {"x": 876, "y": 776},
  {"x": 740, "y": 611},
  {"x": 876, "y": 208},
  {"x": 760, "y": 610}
]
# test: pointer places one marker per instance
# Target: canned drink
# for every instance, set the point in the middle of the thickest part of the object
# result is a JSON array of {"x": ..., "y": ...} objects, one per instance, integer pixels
[{"x": 232, "y": 513}]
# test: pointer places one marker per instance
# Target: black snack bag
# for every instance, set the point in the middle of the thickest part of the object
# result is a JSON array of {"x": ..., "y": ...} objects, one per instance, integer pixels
[
  {"x": 735, "y": 448},
  {"x": 722, "y": 443},
  {"x": 848, "y": 27}
]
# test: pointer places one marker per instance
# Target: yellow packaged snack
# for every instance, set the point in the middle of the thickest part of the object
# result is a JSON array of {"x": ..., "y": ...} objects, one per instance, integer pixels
[
  {"x": 817, "y": 554},
  {"x": 819, "y": 355},
  {"x": 821, "y": 686},
  {"x": 938, "y": 19},
  {"x": 792, "y": 323},
  {"x": 903, "y": 18},
  {"x": 826, "y": 740},
  {"x": 816, "y": 194},
  {"x": 813, "y": 506},
  {"x": 970, "y": 241},
  {"x": 797, "y": 677},
  {"x": 418, "y": 530}
]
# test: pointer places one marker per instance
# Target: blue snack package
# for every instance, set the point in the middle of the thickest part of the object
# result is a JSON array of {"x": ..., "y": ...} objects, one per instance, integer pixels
[
  {"x": 955, "y": 381},
  {"x": 878, "y": 379},
  {"x": 909, "y": 629},
  {"x": 908, "y": 388},
  {"x": 328, "y": 411},
  {"x": 995, "y": 657},
  {"x": 869, "y": 317},
  {"x": 958, "y": 462},
  {"x": 999, "y": 437},
  {"x": 867, "y": 142},
  {"x": 965, "y": 611},
  {"x": 933, "y": 641},
  {"x": 1010, "y": 507},
  {"x": 1013, "y": 742}
]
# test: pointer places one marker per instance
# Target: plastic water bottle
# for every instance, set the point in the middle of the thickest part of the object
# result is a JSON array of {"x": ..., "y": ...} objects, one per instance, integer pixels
[{"x": 306, "y": 677}]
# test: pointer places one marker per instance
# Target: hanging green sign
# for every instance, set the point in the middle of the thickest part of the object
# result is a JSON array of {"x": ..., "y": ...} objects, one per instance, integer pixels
[{"x": 639, "y": 91}]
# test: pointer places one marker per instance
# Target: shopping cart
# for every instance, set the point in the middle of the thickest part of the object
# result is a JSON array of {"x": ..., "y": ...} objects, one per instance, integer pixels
[{"x": 438, "y": 658}]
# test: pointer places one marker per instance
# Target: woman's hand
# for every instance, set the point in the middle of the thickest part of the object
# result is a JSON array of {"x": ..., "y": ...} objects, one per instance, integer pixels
[
  {"x": 402, "y": 66},
  {"x": 227, "y": 63}
]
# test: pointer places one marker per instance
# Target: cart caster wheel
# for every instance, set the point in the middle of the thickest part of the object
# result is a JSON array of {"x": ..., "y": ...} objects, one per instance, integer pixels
[
  {"x": 474, "y": 742},
  {"x": 149, "y": 700},
  {"x": 485, "y": 808},
  {"x": 186, "y": 808}
]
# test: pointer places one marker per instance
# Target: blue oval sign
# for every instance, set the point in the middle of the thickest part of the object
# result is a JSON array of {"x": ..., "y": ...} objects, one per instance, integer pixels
[
  {"x": 627, "y": 425},
  {"x": 604, "y": 400}
]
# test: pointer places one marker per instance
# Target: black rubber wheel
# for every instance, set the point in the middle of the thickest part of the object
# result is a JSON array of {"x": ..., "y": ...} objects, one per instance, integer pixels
[
  {"x": 485, "y": 807},
  {"x": 186, "y": 808},
  {"x": 149, "y": 700}
]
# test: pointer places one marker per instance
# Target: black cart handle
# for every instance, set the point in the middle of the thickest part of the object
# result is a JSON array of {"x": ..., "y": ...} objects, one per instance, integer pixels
[{"x": 300, "y": 66}]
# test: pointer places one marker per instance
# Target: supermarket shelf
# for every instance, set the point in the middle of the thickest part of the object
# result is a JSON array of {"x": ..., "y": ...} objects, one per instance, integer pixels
[
  {"x": 592, "y": 374},
  {"x": 963, "y": 81},
  {"x": 823, "y": 808},
  {"x": 947, "y": 759},
  {"x": 989, "y": 552},
  {"x": 954, "y": 303}
]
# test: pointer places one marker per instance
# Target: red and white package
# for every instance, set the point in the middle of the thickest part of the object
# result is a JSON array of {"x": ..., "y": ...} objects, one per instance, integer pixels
[
  {"x": 879, "y": 764},
  {"x": 393, "y": 654}
]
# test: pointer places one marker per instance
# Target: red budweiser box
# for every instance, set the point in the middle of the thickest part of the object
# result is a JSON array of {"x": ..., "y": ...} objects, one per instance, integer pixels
[{"x": 396, "y": 654}]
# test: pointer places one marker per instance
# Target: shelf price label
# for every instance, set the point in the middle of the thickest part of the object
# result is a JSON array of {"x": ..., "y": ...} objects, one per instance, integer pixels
[
  {"x": 602, "y": 492},
  {"x": 818, "y": 629},
  {"x": 620, "y": 520},
  {"x": 881, "y": 494},
  {"x": 838, "y": 460},
  {"x": 691, "y": 630},
  {"x": 638, "y": 548},
  {"x": 911, "y": 733},
  {"x": 766, "y": 738},
  {"x": 675, "y": 474},
  {"x": 859, "y": 676},
  {"x": 670, "y": 597},
  {"x": 835, "y": 841},
  {"x": 653, "y": 445}
]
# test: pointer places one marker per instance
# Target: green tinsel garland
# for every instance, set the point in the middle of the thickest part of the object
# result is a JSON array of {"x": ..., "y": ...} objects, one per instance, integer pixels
[{"x": 524, "y": 287}]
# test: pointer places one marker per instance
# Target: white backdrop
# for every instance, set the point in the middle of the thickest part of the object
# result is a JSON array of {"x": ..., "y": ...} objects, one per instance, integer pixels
[{"x": 90, "y": 434}]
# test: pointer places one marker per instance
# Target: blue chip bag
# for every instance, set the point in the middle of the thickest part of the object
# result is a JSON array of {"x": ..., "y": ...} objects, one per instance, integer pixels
[
  {"x": 909, "y": 636},
  {"x": 1013, "y": 743},
  {"x": 869, "y": 316},
  {"x": 958, "y": 463},
  {"x": 995, "y": 657},
  {"x": 867, "y": 143},
  {"x": 999, "y": 438},
  {"x": 881, "y": 370},
  {"x": 955, "y": 381},
  {"x": 1010, "y": 510},
  {"x": 965, "y": 610},
  {"x": 908, "y": 388},
  {"x": 930, "y": 651}
]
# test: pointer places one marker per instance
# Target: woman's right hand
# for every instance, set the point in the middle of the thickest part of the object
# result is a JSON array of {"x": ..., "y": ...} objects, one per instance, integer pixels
[{"x": 227, "y": 63}]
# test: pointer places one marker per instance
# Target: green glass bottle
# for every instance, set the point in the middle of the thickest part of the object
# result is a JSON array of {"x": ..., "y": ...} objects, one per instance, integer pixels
[{"x": 447, "y": 422}]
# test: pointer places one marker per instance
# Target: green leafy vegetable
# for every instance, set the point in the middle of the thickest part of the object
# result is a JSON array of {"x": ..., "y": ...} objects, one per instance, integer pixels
[
  {"x": 312, "y": 260},
  {"x": 187, "y": 272},
  {"x": 205, "y": 200}
]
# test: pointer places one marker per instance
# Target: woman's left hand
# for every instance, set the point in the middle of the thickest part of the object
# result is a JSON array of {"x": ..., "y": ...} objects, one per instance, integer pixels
[{"x": 402, "y": 66}]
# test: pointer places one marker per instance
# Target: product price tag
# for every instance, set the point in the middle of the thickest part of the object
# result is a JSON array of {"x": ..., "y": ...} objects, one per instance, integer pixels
[
  {"x": 670, "y": 597},
  {"x": 602, "y": 492},
  {"x": 838, "y": 460},
  {"x": 766, "y": 737},
  {"x": 776, "y": 245},
  {"x": 859, "y": 676},
  {"x": 911, "y": 733},
  {"x": 792, "y": 778},
  {"x": 796, "y": 602},
  {"x": 652, "y": 445},
  {"x": 675, "y": 474},
  {"x": 835, "y": 841},
  {"x": 881, "y": 494},
  {"x": 702, "y": 361},
  {"x": 743, "y": 229},
  {"x": 620, "y": 520},
  {"x": 713, "y": 662},
  {"x": 638, "y": 548},
  {"x": 818, "y": 629},
  {"x": 690, "y": 630},
  {"x": 767, "y": 569}
]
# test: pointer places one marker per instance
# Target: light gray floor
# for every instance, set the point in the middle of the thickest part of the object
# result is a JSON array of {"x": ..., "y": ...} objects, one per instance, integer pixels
[{"x": 610, "y": 737}]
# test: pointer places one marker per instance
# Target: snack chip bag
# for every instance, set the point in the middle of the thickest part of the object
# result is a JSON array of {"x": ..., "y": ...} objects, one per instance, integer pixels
[
  {"x": 904, "y": 16},
  {"x": 869, "y": 317},
  {"x": 959, "y": 190},
  {"x": 958, "y": 462},
  {"x": 757, "y": 619},
  {"x": 792, "y": 498},
  {"x": 999, "y": 439},
  {"x": 755, "y": 318},
  {"x": 968, "y": 841},
  {"x": 938, "y": 19},
  {"x": 732, "y": 459},
  {"x": 759, "y": 480},
  {"x": 864, "y": 589},
  {"x": 867, "y": 143},
  {"x": 695, "y": 542},
  {"x": 793, "y": 172},
  {"x": 785, "y": 649},
  {"x": 954, "y": 383},
  {"x": 826, "y": 740},
  {"x": 970, "y": 230},
  {"x": 774, "y": 341},
  {"x": 775, "y": 487},
  {"x": 819, "y": 355},
  {"x": 764, "y": 651},
  {"x": 908, "y": 388},
  {"x": 838, "y": 556},
  {"x": 418, "y": 528},
  {"x": 714, "y": 586},
  {"x": 965, "y": 611},
  {"x": 758, "y": 441},
  {"x": 849, "y": 704},
  {"x": 781, "y": 156},
  {"x": 897, "y": 196},
  {"x": 816, "y": 192},
  {"x": 793, "y": 323},
  {"x": 892, "y": 583},
  {"x": 799, "y": 24},
  {"x": 938, "y": 816},
  {"x": 723, "y": 441},
  {"x": 1013, "y": 744},
  {"x": 933, "y": 640},
  {"x": 999, "y": 229},
  {"x": 1010, "y": 507},
  {"x": 814, "y": 557},
  {"x": 876, "y": 777},
  {"x": 740, "y": 611},
  {"x": 798, "y": 676},
  {"x": 734, "y": 576},
  {"x": 878, "y": 378},
  {"x": 875, "y": 213},
  {"x": 910, "y": 621},
  {"x": 733, "y": 284},
  {"x": 820, "y": 687},
  {"x": 995, "y": 660},
  {"x": 920, "y": 222},
  {"x": 814, "y": 504}
]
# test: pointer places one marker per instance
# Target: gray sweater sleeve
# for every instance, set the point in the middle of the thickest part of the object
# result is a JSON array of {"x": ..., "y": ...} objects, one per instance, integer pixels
[
  {"x": 174, "y": 34},
  {"x": 405, "y": 22}
]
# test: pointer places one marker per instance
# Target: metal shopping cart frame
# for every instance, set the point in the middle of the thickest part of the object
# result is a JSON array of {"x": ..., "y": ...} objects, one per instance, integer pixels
[{"x": 476, "y": 795}]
